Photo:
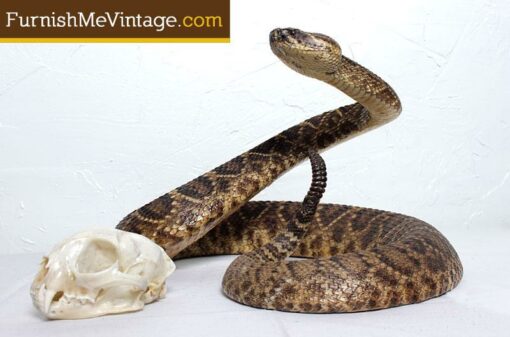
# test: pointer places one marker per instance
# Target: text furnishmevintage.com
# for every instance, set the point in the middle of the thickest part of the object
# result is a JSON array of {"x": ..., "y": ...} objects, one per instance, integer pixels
[{"x": 152, "y": 21}]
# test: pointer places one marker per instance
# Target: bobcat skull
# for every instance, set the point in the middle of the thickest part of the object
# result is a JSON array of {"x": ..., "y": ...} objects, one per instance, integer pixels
[{"x": 100, "y": 272}]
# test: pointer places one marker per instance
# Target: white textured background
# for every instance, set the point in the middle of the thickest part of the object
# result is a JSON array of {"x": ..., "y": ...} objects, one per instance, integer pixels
[{"x": 89, "y": 132}]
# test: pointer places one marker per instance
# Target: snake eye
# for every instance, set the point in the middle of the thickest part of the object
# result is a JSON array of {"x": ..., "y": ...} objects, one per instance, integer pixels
[{"x": 288, "y": 32}]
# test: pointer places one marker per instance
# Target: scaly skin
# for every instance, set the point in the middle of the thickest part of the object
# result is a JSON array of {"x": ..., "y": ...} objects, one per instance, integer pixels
[{"x": 360, "y": 259}]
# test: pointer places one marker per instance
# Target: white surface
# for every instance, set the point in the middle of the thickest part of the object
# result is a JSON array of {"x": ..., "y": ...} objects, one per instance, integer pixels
[
  {"x": 195, "y": 306},
  {"x": 90, "y": 132}
]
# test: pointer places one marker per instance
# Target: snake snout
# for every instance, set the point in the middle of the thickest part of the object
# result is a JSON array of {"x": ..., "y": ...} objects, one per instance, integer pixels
[
  {"x": 284, "y": 34},
  {"x": 276, "y": 35}
]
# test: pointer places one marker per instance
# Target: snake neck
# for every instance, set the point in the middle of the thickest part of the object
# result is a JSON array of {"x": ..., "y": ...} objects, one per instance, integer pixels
[{"x": 367, "y": 89}]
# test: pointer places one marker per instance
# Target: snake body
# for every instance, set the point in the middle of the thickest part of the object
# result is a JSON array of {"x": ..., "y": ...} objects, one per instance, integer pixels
[{"x": 355, "y": 259}]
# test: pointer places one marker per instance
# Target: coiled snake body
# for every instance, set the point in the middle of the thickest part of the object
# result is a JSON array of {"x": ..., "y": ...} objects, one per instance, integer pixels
[{"x": 357, "y": 258}]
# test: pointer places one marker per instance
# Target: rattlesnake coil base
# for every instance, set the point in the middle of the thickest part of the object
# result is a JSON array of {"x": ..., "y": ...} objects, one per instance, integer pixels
[{"x": 357, "y": 258}]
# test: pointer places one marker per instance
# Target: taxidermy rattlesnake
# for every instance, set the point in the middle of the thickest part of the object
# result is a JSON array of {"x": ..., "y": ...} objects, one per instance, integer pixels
[{"x": 355, "y": 258}]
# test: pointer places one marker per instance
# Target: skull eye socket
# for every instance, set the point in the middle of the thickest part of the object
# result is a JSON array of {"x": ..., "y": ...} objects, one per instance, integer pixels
[{"x": 97, "y": 256}]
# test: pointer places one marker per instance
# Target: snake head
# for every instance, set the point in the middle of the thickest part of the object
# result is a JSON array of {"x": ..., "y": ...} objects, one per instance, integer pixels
[{"x": 311, "y": 54}]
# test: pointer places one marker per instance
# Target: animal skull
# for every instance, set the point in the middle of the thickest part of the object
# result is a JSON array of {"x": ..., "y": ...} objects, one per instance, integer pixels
[{"x": 100, "y": 272}]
